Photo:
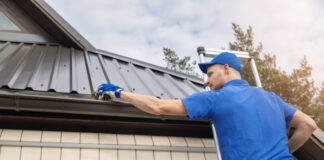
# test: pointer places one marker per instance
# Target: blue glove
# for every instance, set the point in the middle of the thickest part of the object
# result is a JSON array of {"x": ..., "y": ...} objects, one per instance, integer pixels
[{"x": 109, "y": 88}]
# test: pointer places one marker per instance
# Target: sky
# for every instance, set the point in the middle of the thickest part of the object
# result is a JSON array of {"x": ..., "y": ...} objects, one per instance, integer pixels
[{"x": 289, "y": 29}]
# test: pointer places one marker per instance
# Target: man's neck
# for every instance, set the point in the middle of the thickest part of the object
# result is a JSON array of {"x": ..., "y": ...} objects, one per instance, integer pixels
[{"x": 232, "y": 78}]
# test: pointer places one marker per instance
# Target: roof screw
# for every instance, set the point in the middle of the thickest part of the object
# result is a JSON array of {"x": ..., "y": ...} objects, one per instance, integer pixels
[
  {"x": 64, "y": 65},
  {"x": 133, "y": 89},
  {"x": 161, "y": 94},
  {"x": 96, "y": 68},
  {"x": 42, "y": 85},
  {"x": 83, "y": 88},
  {"x": 127, "y": 70}
]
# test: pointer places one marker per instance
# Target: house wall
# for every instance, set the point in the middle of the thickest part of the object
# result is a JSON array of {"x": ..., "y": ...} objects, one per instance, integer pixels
[{"x": 65, "y": 153}]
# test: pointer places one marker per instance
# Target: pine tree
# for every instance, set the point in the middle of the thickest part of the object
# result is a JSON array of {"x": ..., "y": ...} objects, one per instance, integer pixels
[
  {"x": 301, "y": 86},
  {"x": 175, "y": 63},
  {"x": 317, "y": 108}
]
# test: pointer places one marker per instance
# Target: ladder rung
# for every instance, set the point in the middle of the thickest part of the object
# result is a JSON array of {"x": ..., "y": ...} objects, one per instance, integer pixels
[{"x": 209, "y": 52}]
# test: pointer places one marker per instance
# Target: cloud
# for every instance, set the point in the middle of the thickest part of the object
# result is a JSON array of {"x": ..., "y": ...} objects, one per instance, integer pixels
[{"x": 140, "y": 28}]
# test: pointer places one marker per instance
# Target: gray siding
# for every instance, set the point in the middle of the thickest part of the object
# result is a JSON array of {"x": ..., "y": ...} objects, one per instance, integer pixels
[{"x": 125, "y": 142}]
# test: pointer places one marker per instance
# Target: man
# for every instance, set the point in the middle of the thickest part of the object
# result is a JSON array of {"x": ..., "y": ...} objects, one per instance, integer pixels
[{"x": 251, "y": 123}]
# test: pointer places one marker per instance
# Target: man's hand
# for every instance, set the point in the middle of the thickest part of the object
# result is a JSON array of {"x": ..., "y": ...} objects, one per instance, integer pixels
[{"x": 110, "y": 90}]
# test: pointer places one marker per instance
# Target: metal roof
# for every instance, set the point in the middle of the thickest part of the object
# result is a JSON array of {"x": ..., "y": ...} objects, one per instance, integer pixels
[{"x": 56, "y": 68}]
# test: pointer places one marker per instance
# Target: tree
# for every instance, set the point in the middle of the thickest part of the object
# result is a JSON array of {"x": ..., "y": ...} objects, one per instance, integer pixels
[
  {"x": 301, "y": 86},
  {"x": 171, "y": 58},
  {"x": 317, "y": 108},
  {"x": 175, "y": 63}
]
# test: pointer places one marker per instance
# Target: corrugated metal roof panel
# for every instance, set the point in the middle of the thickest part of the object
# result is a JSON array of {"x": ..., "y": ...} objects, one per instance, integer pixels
[{"x": 52, "y": 67}]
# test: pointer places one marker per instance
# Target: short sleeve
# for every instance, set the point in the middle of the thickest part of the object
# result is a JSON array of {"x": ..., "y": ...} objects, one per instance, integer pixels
[
  {"x": 288, "y": 110},
  {"x": 199, "y": 105}
]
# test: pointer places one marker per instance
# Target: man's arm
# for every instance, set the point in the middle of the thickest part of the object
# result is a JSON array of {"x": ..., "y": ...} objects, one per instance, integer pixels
[
  {"x": 304, "y": 127},
  {"x": 154, "y": 105}
]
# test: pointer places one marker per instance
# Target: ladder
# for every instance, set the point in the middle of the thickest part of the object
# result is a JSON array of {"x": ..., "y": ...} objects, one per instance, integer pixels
[{"x": 243, "y": 56}]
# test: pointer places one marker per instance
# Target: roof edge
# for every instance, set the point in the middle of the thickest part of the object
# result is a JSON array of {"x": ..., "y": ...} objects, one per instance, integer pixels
[{"x": 54, "y": 102}]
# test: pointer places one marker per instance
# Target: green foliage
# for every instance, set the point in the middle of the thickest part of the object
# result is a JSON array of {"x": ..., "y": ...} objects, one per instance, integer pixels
[
  {"x": 320, "y": 98},
  {"x": 320, "y": 123},
  {"x": 171, "y": 58},
  {"x": 296, "y": 88},
  {"x": 175, "y": 63},
  {"x": 302, "y": 88}
]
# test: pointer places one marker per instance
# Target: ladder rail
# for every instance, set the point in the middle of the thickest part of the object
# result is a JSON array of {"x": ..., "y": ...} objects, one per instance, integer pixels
[
  {"x": 255, "y": 73},
  {"x": 209, "y": 52}
]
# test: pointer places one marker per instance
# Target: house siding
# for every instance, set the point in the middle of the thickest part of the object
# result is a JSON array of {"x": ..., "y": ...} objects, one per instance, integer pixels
[{"x": 62, "y": 153}]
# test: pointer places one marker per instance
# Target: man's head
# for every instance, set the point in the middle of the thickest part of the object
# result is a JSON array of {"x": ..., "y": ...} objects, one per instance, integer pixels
[{"x": 221, "y": 69}]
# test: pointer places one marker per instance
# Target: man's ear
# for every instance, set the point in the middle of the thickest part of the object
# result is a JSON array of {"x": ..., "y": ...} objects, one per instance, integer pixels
[{"x": 227, "y": 69}]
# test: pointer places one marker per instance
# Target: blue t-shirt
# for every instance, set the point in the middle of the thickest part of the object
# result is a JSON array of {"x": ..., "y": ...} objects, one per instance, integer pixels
[{"x": 251, "y": 123}]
